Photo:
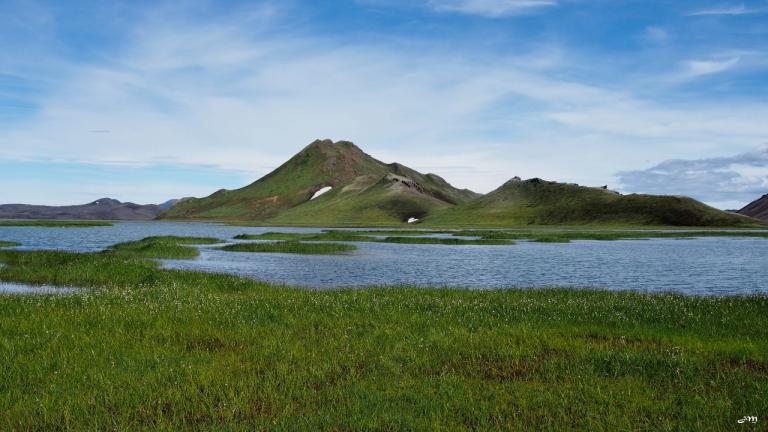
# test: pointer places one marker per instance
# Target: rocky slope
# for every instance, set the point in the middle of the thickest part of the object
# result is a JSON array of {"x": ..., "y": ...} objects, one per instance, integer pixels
[{"x": 757, "y": 209}]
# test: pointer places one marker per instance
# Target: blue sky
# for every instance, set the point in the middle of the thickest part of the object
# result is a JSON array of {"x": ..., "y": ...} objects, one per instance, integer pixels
[{"x": 150, "y": 100}]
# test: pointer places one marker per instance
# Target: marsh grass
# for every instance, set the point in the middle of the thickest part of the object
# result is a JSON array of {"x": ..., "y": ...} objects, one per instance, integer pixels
[
  {"x": 490, "y": 237},
  {"x": 148, "y": 349},
  {"x": 272, "y": 236},
  {"x": 322, "y": 236},
  {"x": 294, "y": 247},
  {"x": 162, "y": 247},
  {"x": 4, "y": 244},
  {"x": 565, "y": 236},
  {"x": 53, "y": 223}
]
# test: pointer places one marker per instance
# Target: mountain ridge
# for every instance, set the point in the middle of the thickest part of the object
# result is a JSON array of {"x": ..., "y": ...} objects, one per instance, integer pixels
[
  {"x": 100, "y": 209},
  {"x": 757, "y": 209},
  {"x": 359, "y": 190},
  {"x": 539, "y": 202}
]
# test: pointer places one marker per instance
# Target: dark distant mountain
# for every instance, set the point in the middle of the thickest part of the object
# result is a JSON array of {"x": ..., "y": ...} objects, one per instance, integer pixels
[
  {"x": 102, "y": 209},
  {"x": 757, "y": 209}
]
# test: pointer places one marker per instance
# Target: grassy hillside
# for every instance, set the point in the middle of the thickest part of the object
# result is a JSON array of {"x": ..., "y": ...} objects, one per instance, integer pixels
[
  {"x": 361, "y": 192},
  {"x": 538, "y": 202},
  {"x": 153, "y": 349}
]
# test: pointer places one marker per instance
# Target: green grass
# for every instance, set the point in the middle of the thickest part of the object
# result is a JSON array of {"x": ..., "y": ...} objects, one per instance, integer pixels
[
  {"x": 4, "y": 244},
  {"x": 323, "y": 236},
  {"x": 294, "y": 247},
  {"x": 53, "y": 223},
  {"x": 164, "y": 247},
  {"x": 153, "y": 349},
  {"x": 444, "y": 241},
  {"x": 273, "y": 236}
]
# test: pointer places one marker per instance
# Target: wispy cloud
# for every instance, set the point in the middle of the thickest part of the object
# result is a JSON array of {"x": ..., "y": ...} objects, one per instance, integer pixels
[
  {"x": 698, "y": 68},
  {"x": 728, "y": 10},
  {"x": 490, "y": 8},
  {"x": 656, "y": 34}
]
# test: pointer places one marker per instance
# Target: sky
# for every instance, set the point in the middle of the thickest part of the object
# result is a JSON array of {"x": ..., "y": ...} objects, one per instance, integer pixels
[{"x": 145, "y": 101}]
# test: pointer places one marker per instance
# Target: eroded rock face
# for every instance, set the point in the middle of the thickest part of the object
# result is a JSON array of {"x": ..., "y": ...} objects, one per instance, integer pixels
[{"x": 403, "y": 182}]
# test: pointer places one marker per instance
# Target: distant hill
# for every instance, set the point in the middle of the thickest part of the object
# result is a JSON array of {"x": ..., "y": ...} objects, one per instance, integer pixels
[
  {"x": 102, "y": 209},
  {"x": 336, "y": 183},
  {"x": 539, "y": 202},
  {"x": 757, "y": 209},
  {"x": 331, "y": 183}
]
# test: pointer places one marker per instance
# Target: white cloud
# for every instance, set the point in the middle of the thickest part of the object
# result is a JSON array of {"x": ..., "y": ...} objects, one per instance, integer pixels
[
  {"x": 727, "y": 10},
  {"x": 726, "y": 182},
  {"x": 697, "y": 68},
  {"x": 490, "y": 8},
  {"x": 240, "y": 96},
  {"x": 656, "y": 35}
]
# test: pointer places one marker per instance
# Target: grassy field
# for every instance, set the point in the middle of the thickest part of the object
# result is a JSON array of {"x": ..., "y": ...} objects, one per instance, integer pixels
[
  {"x": 53, "y": 223},
  {"x": 295, "y": 247},
  {"x": 146, "y": 349}
]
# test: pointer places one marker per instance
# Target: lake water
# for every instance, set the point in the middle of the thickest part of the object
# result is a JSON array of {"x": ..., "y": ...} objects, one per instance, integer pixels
[{"x": 704, "y": 266}]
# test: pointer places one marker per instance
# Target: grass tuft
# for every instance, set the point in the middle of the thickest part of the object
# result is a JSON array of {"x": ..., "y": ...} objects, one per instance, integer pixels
[
  {"x": 294, "y": 247},
  {"x": 162, "y": 247}
]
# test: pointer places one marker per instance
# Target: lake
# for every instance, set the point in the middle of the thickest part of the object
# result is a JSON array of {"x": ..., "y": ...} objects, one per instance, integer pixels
[{"x": 703, "y": 266}]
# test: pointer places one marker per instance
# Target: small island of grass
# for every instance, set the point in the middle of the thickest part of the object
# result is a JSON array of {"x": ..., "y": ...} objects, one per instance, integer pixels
[
  {"x": 162, "y": 247},
  {"x": 294, "y": 247},
  {"x": 5, "y": 244}
]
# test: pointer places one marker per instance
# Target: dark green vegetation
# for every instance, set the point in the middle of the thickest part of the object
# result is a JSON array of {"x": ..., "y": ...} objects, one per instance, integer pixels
[
  {"x": 168, "y": 247},
  {"x": 365, "y": 191},
  {"x": 538, "y": 202},
  {"x": 8, "y": 244},
  {"x": 443, "y": 241},
  {"x": 356, "y": 236},
  {"x": 53, "y": 223},
  {"x": 311, "y": 248},
  {"x": 488, "y": 237},
  {"x": 565, "y": 236},
  {"x": 152, "y": 349},
  {"x": 323, "y": 236}
]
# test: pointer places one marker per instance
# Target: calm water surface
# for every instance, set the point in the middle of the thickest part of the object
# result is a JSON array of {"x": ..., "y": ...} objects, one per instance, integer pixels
[{"x": 705, "y": 266}]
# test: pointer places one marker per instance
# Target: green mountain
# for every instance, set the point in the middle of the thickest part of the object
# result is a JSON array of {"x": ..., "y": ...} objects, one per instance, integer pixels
[
  {"x": 539, "y": 202},
  {"x": 363, "y": 190}
]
